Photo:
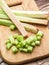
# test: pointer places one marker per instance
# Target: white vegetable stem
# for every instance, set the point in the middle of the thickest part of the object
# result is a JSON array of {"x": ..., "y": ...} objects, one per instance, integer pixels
[
  {"x": 13, "y": 17},
  {"x": 32, "y": 14},
  {"x": 27, "y": 19},
  {"x": 32, "y": 20},
  {"x": 28, "y": 27}
]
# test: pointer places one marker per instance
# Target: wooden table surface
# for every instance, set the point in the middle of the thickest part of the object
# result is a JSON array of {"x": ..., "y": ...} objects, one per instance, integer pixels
[{"x": 43, "y": 5}]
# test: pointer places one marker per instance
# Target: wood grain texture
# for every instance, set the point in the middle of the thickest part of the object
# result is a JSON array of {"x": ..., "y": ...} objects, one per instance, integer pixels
[
  {"x": 13, "y": 2},
  {"x": 29, "y": 5},
  {"x": 39, "y": 52},
  {"x": 43, "y": 4}
]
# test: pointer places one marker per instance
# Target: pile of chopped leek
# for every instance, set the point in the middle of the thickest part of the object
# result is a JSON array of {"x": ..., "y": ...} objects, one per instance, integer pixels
[{"x": 17, "y": 43}]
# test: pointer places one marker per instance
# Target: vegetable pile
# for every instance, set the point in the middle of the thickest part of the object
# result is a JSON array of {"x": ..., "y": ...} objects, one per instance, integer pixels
[
  {"x": 17, "y": 43},
  {"x": 20, "y": 20}
]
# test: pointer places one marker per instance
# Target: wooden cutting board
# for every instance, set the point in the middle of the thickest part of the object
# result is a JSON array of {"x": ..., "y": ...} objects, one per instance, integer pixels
[
  {"x": 13, "y": 2},
  {"x": 38, "y": 52}
]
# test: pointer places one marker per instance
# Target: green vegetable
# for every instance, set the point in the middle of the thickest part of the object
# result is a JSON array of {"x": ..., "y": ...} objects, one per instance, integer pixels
[
  {"x": 28, "y": 27},
  {"x": 14, "y": 49},
  {"x": 27, "y": 14},
  {"x": 16, "y": 42},
  {"x": 11, "y": 39},
  {"x": 26, "y": 46},
  {"x": 29, "y": 20},
  {"x": 25, "y": 50},
  {"x": 26, "y": 19},
  {"x": 12, "y": 27},
  {"x": 34, "y": 38},
  {"x": 8, "y": 41},
  {"x": 33, "y": 44},
  {"x": 40, "y": 33},
  {"x": 20, "y": 49},
  {"x": 15, "y": 36},
  {"x": 3, "y": 16},
  {"x": 1, "y": 11},
  {"x": 12, "y": 17},
  {"x": 23, "y": 43},
  {"x": 37, "y": 43},
  {"x": 30, "y": 49},
  {"x": 5, "y": 22},
  {"x": 38, "y": 37},
  {"x": 20, "y": 38},
  {"x": 8, "y": 46},
  {"x": 18, "y": 46},
  {"x": 29, "y": 40}
]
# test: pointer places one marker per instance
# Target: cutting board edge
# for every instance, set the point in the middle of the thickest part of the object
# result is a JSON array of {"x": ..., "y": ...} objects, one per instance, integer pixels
[{"x": 26, "y": 61}]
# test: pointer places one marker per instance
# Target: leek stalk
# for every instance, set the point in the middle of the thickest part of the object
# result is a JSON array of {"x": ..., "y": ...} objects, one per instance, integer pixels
[
  {"x": 31, "y": 14},
  {"x": 27, "y": 19},
  {"x": 28, "y": 27}
]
